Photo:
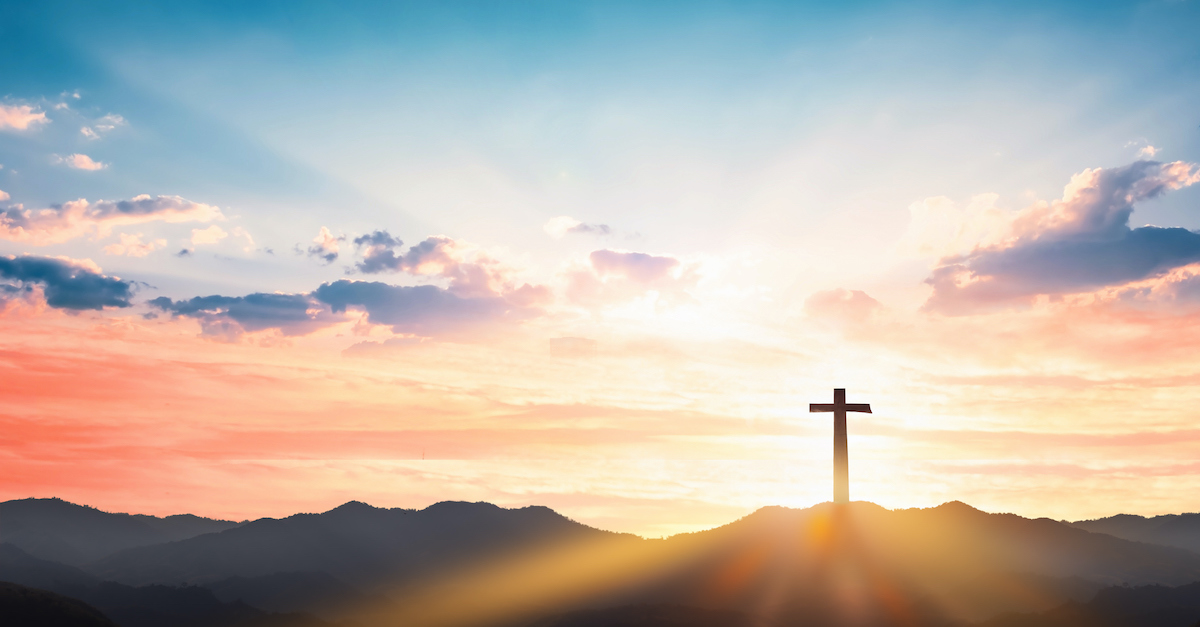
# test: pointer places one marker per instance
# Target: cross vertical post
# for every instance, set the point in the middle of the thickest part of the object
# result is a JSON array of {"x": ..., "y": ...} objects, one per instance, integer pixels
[{"x": 841, "y": 452}]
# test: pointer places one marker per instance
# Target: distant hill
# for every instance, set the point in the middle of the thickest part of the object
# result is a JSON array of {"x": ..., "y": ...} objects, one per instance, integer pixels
[
  {"x": 21, "y": 606},
  {"x": 128, "y": 606},
  {"x": 20, "y": 567},
  {"x": 1178, "y": 530},
  {"x": 74, "y": 534},
  {"x": 356, "y": 543},
  {"x": 475, "y": 563},
  {"x": 1143, "y": 606},
  {"x": 934, "y": 565}
]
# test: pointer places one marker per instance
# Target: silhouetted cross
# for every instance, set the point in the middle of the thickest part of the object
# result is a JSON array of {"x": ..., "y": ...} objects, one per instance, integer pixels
[{"x": 841, "y": 456}]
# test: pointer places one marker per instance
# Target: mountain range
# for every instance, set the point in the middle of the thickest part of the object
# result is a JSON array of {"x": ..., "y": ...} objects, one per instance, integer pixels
[
  {"x": 75, "y": 534},
  {"x": 463, "y": 564},
  {"x": 1178, "y": 530}
]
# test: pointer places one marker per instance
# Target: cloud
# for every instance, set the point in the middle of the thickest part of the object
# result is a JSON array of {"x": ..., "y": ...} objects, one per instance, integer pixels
[
  {"x": 1147, "y": 152},
  {"x": 103, "y": 126},
  {"x": 424, "y": 310},
  {"x": 1077, "y": 244},
  {"x": 379, "y": 252},
  {"x": 244, "y": 234},
  {"x": 620, "y": 276},
  {"x": 80, "y": 162},
  {"x": 79, "y": 217},
  {"x": 20, "y": 117},
  {"x": 639, "y": 267},
  {"x": 470, "y": 272},
  {"x": 937, "y": 227},
  {"x": 841, "y": 306},
  {"x": 563, "y": 225},
  {"x": 3, "y": 194},
  {"x": 210, "y": 235},
  {"x": 133, "y": 246},
  {"x": 228, "y": 317},
  {"x": 481, "y": 293},
  {"x": 65, "y": 283},
  {"x": 325, "y": 246}
]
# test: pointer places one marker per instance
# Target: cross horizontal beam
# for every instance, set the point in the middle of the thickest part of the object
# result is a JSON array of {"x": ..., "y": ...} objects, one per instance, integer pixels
[{"x": 829, "y": 407}]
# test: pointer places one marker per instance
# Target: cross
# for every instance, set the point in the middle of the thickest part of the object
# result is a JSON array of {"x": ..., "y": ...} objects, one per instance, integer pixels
[{"x": 841, "y": 456}]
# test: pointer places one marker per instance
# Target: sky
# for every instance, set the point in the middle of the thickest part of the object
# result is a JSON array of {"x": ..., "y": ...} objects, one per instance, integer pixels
[{"x": 600, "y": 256}]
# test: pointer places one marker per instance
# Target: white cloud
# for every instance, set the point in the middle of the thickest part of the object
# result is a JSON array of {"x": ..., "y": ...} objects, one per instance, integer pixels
[
  {"x": 69, "y": 220},
  {"x": 558, "y": 227},
  {"x": 211, "y": 235},
  {"x": 103, "y": 126},
  {"x": 244, "y": 234},
  {"x": 562, "y": 225},
  {"x": 939, "y": 227},
  {"x": 20, "y": 117},
  {"x": 1147, "y": 152},
  {"x": 80, "y": 161},
  {"x": 133, "y": 246},
  {"x": 3, "y": 194}
]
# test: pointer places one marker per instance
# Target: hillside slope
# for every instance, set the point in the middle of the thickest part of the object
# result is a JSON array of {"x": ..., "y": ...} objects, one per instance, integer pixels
[
  {"x": 477, "y": 564},
  {"x": 1178, "y": 530},
  {"x": 21, "y": 606},
  {"x": 359, "y": 544},
  {"x": 73, "y": 534}
]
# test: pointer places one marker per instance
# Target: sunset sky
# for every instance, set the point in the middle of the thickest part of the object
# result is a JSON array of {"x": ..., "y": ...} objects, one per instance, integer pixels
[{"x": 600, "y": 256}]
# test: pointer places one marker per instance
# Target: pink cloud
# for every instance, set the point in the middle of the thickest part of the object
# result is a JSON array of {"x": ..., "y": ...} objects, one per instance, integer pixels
[
  {"x": 76, "y": 218},
  {"x": 80, "y": 162},
  {"x": 1077, "y": 244},
  {"x": 20, "y": 117},
  {"x": 470, "y": 272},
  {"x": 841, "y": 305},
  {"x": 614, "y": 277},
  {"x": 326, "y": 245},
  {"x": 133, "y": 246}
]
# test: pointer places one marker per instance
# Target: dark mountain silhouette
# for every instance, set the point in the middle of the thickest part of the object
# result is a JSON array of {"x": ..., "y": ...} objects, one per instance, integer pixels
[
  {"x": 356, "y": 543},
  {"x": 1178, "y": 530},
  {"x": 320, "y": 594},
  {"x": 475, "y": 563},
  {"x": 28, "y": 607},
  {"x": 651, "y": 616},
  {"x": 74, "y": 534},
  {"x": 931, "y": 566},
  {"x": 129, "y": 606},
  {"x": 1118, "y": 606}
]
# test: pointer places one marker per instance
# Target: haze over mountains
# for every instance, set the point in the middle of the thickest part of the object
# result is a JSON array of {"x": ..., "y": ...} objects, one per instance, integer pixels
[
  {"x": 1180, "y": 530},
  {"x": 477, "y": 564}
]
